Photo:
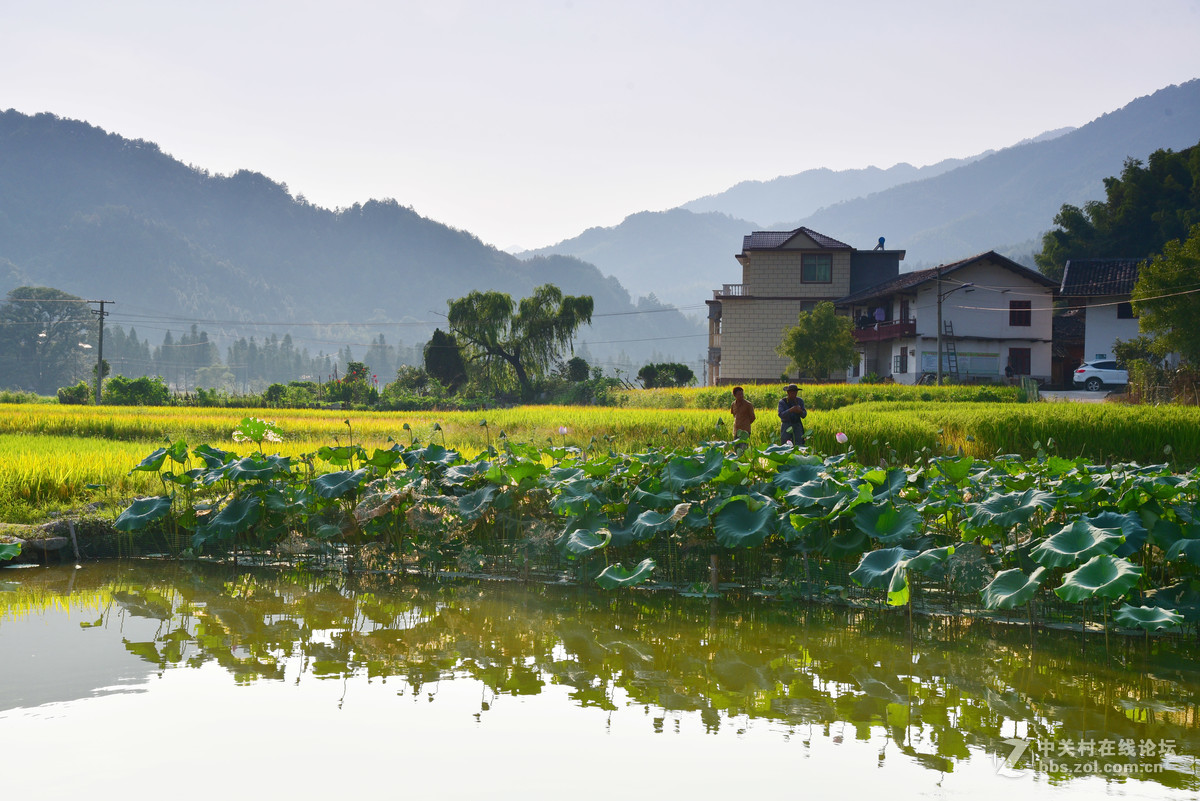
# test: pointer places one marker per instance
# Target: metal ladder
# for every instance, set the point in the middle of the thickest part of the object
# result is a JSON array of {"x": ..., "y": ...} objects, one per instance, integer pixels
[{"x": 951, "y": 352}]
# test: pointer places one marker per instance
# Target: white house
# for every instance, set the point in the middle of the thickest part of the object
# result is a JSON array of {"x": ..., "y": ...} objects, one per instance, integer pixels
[
  {"x": 1102, "y": 288},
  {"x": 992, "y": 311}
]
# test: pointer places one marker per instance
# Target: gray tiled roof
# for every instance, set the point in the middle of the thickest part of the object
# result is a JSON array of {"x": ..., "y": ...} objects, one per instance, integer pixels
[
  {"x": 1090, "y": 277},
  {"x": 917, "y": 277},
  {"x": 765, "y": 240}
]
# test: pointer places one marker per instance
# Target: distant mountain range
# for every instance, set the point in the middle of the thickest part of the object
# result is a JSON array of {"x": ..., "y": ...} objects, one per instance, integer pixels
[
  {"x": 101, "y": 216},
  {"x": 1003, "y": 201}
]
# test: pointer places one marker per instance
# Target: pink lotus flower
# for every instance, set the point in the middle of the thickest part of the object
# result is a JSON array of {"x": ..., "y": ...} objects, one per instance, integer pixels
[
  {"x": 841, "y": 437},
  {"x": 562, "y": 430}
]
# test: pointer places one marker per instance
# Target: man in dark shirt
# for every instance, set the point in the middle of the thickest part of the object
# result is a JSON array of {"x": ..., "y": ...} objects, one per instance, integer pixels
[{"x": 791, "y": 417}]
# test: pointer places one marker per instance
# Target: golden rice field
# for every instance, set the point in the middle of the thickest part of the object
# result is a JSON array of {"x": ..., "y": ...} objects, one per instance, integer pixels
[{"x": 49, "y": 454}]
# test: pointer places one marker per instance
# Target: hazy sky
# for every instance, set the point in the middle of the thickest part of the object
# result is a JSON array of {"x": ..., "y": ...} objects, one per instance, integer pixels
[{"x": 527, "y": 122}]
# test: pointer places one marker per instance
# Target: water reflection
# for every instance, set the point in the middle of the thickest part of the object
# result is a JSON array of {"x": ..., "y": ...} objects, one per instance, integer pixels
[{"x": 941, "y": 696}]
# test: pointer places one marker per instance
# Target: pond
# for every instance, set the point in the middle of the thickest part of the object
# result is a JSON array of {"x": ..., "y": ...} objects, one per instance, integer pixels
[{"x": 202, "y": 681}]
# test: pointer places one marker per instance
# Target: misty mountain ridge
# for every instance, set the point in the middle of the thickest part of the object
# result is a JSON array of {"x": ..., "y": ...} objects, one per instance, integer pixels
[
  {"x": 1002, "y": 200},
  {"x": 98, "y": 215}
]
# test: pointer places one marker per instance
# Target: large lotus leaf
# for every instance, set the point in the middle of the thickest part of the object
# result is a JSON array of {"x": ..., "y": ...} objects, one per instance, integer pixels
[
  {"x": 249, "y": 468},
  {"x": 472, "y": 505},
  {"x": 213, "y": 457},
  {"x": 784, "y": 454},
  {"x": 898, "y": 587},
  {"x": 142, "y": 513},
  {"x": 459, "y": 474},
  {"x": 581, "y": 541},
  {"x": 1188, "y": 550},
  {"x": 559, "y": 475},
  {"x": 431, "y": 454},
  {"x": 576, "y": 497},
  {"x": 1012, "y": 588},
  {"x": 1008, "y": 510},
  {"x": 1181, "y": 596},
  {"x": 178, "y": 451},
  {"x": 684, "y": 472},
  {"x": 843, "y": 544},
  {"x": 654, "y": 500},
  {"x": 1075, "y": 542},
  {"x": 888, "y": 483},
  {"x": 875, "y": 569},
  {"x": 820, "y": 493},
  {"x": 617, "y": 576},
  {"x": 153, "y": 462},
  {"x": 956, "y": 470},
  {"x": 732, "y": 474},
  {"x": 650, "y": 522},
  {"x": 384, "y": 459},
  {"x": 1101, "y": 577},
  {"x": 1148, "y": 618},
  {"x": 335, "y": 485},
  {"x": 519, "y": 471},
  {"x": 1165, "y": 533},
  {"x": 795, "y": 475},
  {"x": 743, "y": 522},
  {"x": 859, "y": 493},
  {"x": 9, "y": 550},
  {"x": 600, "y": 468},
  {"x": 341, "y": 455},
  {"x": 1129, "y": 524},
  {"x": 887, "y": 524},
  {"x": 238, "y": 516}
]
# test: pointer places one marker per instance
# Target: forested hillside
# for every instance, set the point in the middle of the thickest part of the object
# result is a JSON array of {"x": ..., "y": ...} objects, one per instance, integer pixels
[{"x": 101, "y": 216}]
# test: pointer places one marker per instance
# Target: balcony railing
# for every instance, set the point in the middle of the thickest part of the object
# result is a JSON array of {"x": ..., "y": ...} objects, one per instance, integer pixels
[
  {"x": 888, "y": 329},
  {"x": 730, "y": 291}
]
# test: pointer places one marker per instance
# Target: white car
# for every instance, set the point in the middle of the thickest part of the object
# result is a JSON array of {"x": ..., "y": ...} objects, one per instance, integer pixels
[{"x": 1095, "y": 375}]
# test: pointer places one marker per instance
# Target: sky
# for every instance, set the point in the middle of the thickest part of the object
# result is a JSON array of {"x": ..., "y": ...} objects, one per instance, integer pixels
[{"x": 526, "y": 122}]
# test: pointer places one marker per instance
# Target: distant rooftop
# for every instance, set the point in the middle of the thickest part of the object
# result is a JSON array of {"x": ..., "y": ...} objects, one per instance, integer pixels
[
  {"x": 1084, "y": 277},
  {"x": 766, "y": 240}
]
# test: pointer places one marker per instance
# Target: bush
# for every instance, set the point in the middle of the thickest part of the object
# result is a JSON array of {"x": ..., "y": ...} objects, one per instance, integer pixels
[
  {"x": 144, "y": 391},
  {"x": 78, "y": 395}
]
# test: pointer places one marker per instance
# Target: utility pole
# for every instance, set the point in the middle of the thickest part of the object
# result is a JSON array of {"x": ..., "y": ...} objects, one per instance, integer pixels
[{"x": 101, "y": 314}]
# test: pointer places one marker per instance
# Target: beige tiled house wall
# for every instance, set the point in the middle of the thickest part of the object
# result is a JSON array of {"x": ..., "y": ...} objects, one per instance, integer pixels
[
  {"x": 777, "y": 274},
  {"x": 751, "y": 329}
]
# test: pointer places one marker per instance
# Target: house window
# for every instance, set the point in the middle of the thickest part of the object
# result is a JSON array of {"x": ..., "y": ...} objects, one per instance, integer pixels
[
  {"x": 1020, "y": 312},
  {"x": 1019, "y": 358},
  {"x": 1125, "y": 311},
  {"x": 900, "y": 363},
  {"x": 816, "y": 268}
]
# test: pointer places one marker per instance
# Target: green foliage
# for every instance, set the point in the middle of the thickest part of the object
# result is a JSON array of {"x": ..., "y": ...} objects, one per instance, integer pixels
[
  {"x": 41, "y": 330},
  {"x": 1165, "y": 299},
  {"x": 78, "y": 395},
  {"x": 821, "y": 342},
  {"x": 444, "y": 361},
  {"x": 518, "y": 342},
  {"x": 9, "y": 550},
  {"x": 1148, "y": 206},
  {"x": 144, "y": 391},
  {"x": 666, "y": 374}
]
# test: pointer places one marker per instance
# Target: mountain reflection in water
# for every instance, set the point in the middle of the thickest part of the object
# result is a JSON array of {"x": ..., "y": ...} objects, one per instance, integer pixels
[{"x": 948, "y": 697}]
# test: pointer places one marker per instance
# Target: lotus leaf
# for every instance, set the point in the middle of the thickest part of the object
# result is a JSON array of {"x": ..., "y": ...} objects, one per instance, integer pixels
[
  {"x": 1075, "y": 542},
  {"x": 519, "y": 471},
  {"x": 891, "y": 482},
  {"x": 384, "y": 459},
  {"x": 213, "y": 457},
  {"x": 617, "y": 576},
  {"x": 460, "y": 474},
  {"x": 249, "y": 468},
  {"x": 887, "y": 524},
  {"x": 9, "y": 550},
  {"x": 1149, "y": 618},
  {"x": 576, "y": 497},
  {"x": 795, "y": 475},
  {"x": 581, "y": 541},
  {"x": 743, "y": 522},
  {"x": 1188, "y": 549},
  {"x": 142, "y": 513},
  {"x": 956, "y": 470},
  {"x": 432, "y": 454},
  {"x": 651, "y": 522},
  {"x": 335, "y": 485},
  {"x": 472, "y": 505},
  {"x": 152, "y": 463},
  {"x": 654, "y": 500},
  {"x": 875, "y": 569},
  {"x": 1008, "y": 510},
  {"x": 237, "y": 517},
  {"x": 684, "y": 472},
  {"x": 1100, "y": 577},
  {"x": 1012, "y": 588}
]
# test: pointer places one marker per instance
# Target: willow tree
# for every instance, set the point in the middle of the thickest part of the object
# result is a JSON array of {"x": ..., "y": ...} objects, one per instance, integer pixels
[{"x": 523, "y": 338}]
